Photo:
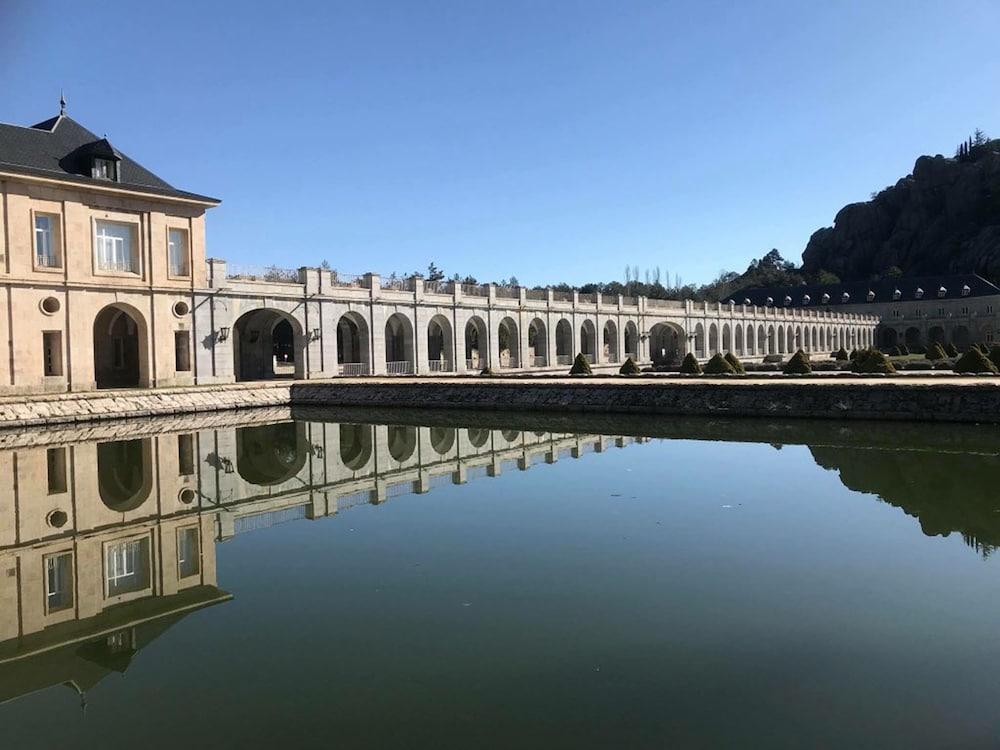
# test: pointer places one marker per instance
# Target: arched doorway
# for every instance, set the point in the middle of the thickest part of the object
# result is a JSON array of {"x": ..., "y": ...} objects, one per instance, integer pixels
[
  {"x": 666, "y": 344},
  {"x": 564, "y": 343},
  {"x": 912, "y": 336},
  {"x": 610, "y": 343},
  {"x": 588, "y": 340},
  {"x": 120, "y": 348},
  {"x": 888, "y": 338},
  {"x": 699, "y": 340},
  {"x": 507, "y": 342},
  {"x": 124, "y": 473},
  {"x": 632, "y": 341},
  {"x": 398, "y": 345},
  {"x": 267, "y": 344},
  {"x": 538, "y": 343},
  {"x": 439, "y": 344},
  {"x": 352, "y": 345},
  {"x": 270, "y": 454},
  {"x": 475, "y": 343}
]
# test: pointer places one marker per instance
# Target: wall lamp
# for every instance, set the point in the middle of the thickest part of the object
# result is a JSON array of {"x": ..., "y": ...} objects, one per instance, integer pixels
[
  {"x": 315, "y": 334},
  {"x": 223, "y": 333}
]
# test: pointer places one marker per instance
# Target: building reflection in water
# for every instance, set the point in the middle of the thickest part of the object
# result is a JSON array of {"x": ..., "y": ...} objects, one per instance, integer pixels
[{"x": 106, "y": 544}]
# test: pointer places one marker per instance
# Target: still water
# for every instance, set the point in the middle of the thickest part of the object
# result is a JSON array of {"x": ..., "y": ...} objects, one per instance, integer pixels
[{"x": 429, "y": 581}]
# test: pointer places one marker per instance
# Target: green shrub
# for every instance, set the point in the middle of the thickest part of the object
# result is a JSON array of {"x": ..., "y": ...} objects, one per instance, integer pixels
[
  {"x": 896, "y": 352},
  {"x": 737, "y": 366},
  {"x": 719, "y": 365},
  {"x": 628, "y": 367},
  {"x": 934, "y": 351},
  {"x": 798, "y": 364},
  {"x": 690, "y": 365},
  {"x": 974, "y": 361},
  {"x": 951, "y": 350},
  {"x": 486, "y": 372},
  {"x": 995, "y": 355},
  {"x": 983, "y": 349},
  {"x": 904, "y": 349},
  {"x": 854, "y": 355},
  {"x": 580, "y": 366},
  {"x": 842, "y": 354},
  {"x": 871, "y": 361}
]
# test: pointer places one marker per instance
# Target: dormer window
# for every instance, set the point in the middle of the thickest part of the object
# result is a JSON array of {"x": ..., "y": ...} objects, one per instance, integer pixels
[
  {"x": 942, "y": 291},
  {"x": 788, "y": 300},
  {"x": 746, "y": 301},
  {"x": 845, "y": 297},
  {"x": 806, "y": 299},
  {"x": 896, "y": 295},
  {"x": 919, "y": 294},
  {"x": 825, "y": 299},
  {"x": 966, "y": 291},
  {"x": 105, "y": 169},
  {"x": 871, "y": 296},
  {"x": 769, "y": 301}
]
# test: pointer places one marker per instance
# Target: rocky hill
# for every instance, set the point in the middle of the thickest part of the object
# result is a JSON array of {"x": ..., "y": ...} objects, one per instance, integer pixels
[{"x": 943, "y": 218}]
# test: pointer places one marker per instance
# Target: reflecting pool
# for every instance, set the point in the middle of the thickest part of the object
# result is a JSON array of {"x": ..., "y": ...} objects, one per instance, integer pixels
[{"x": 405, "y": 579}]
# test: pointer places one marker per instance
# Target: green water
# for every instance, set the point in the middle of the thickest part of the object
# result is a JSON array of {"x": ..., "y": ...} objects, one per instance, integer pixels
[{"x": 448, "y": 581}]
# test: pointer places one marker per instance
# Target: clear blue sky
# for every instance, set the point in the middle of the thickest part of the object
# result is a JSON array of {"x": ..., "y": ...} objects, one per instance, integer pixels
[{"x": 556, "y": 141}]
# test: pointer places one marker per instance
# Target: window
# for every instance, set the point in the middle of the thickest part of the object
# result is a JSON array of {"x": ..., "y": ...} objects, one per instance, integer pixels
[
  {"x": 185, "y": 455},
  {"x": 177, "y": 247},
  {"x": 182, "y": 351},
  {"x": 127, "y": 566},
  {"x": 965, "y": 311},
  {"x": 940, "y": 312},
  {"x": 55, "y": 458},
  {"x": 105, "y": 169},
  {"x": 58, "y": 582},
  {"x": 188, "y": 552},
  {"x": 115, "y": 247},
  {"x": 895, "y": 313},
  {"x": 52, "y": 353},
  {"x": 989, "y": 309},
  {"x": 47, "y": 241}
]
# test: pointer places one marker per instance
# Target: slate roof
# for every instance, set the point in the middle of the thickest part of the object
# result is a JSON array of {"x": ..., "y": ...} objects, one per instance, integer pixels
[
  {"x": 884, "y": 290},
  {"x": 60, "y": 148}
]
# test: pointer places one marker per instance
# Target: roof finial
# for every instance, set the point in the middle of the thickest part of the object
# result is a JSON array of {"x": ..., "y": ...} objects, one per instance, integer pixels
[{"x": 62, "y": 103}]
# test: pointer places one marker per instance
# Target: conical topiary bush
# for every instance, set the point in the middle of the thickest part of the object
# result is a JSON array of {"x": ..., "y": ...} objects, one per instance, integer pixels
[
  {"x": 798, "y": 364},
  {"x": 719, "y": 365},
  {"x": 842, "y": 355},
  {"x": 974, "y": 361},
  {"x": 872, "y": 361},
  {"x": 690, "y": 365},
  {"x": 854, "y": 355},
  {"x": 628, "y": 367},
  {"x": 995, "y": 355},
  {"x": 934, "y": 352},
  {"x": 580, "y": 366},
  {"x": 951, "y": 350},
  {"x": 737, "y": 366}
]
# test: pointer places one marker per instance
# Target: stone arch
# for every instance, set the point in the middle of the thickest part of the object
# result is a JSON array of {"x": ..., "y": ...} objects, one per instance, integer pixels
[
  {"x": 632, "y": 341},
  {"x": 738, "y": 343},
  {"x": 771, "y": 341},
  {"x": 564, "y": 342},
  {"x": 713, "y": 340},
  {"x": 888, "y": 338},
  {"x": 353, "y": 356},
  {"x": 609, "y": 346},
  {"x": 666, "y": 343},
  {"x": 355, "y": 445},
  {"x": 782, "y": 348},
  {"x": 478, "y": 436},
  {"x": 124, "y": 473},
  {"x": 761, "y": 340},
  {"x": 727, "y": 338},
  {"x": 751, "y": 340},
  {"x": 475, "y": 343},
  {"x": 399, "y": 356},
  {"x": 442, "y": 439},
  {"x": 538, "y": 343},
  {"x": 121, "y": 348},
  {"x": 936, "y": 335},
  {"x": 911, "y": 336},
  {"x": 440, "y": 344},
  {"x": 588, "y": 340},
  {"x": 401, "y": 440},
  {"x": 271, "y": 454},
  {"x": 508, "y": 342},
  {"x": 699, "y": 340},
  {"x": 267, "y": 344},
  {"x": 511, "y": 436}
]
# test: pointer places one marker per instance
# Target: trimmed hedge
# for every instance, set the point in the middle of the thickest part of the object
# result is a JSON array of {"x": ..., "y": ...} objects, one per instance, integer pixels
[
  {"x": 718, "y": 365},
  {"x": 872, "y": 361},
  {"x": 628, "y": 367},
  {"x": 842, "y": 354},
  {"x": 995, "y": 355},
  {"x": 798, "y": 364},
  {"x": 934, "y": 351},
  {"x": 580, "y": 366},
  {"x": 951, "y": 350},
  {"x": 853, "y": 355},
  {"x": 974, "y": 361},
  {"x": 690, "y": 365},
  {"x": 737, "y": 366}
]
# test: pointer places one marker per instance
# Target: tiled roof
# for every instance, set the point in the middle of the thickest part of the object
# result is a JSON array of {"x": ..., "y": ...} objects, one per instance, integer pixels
[
  {"x": 861, "y": 292},
  {"x": 59, "y": 148}
]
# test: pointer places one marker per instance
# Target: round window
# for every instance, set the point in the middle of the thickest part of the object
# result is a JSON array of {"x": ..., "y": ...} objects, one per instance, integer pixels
[
  {"x": 50, "y": 305},
  {"x": 181, "y": 309},
  {"x": 57, "y": 519},
  {"x": 186, "y": 496}
]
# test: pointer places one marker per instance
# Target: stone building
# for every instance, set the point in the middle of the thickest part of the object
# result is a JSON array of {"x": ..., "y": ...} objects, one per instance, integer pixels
[
  {"x": 104, "y": 283},
  {"x": 958, "y": 309}
]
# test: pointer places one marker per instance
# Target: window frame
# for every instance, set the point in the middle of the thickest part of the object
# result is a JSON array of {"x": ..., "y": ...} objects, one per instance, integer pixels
[
  {"x": 123, "y": 543},
  {"x": 194, "y": 551},
  {"x": 70, "y": 581},
  {"x": 55, "y": 241},
  {"x": 171, "y": 274},
  {"x": 135, "y": 227},
  {"x": 58, "y": 354}
]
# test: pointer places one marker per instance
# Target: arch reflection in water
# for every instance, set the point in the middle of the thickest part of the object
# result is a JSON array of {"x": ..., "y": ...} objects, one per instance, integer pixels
[
  {"x": 478, "y": 437},
  {"x": 270, "y": 454},
  {"x": 355, "y": 445},
  {"x": 124, "y": 473},
  {"x": 442, "y": 439},
  {"x": 402, "y": 441}
]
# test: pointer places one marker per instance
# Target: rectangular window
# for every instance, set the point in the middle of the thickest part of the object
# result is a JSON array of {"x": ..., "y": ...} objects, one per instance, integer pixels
[
  {"x": 104, "y": 169},
  {"x": 185, "y": 455},
  {"x": 47, "y": 241},
  {"x": 182, "y": 351},
  {"x": 115, "y": 247},
  {"x": 989, "y": 309},
  {"x": 965, "y": 311},
  {"x": 58, "y": 582},
  {"x": 188, "y": 552},
  {"x": 55, "y": 459},
  {"x": 127, "y": 566},
  {"x": 177, "y": 248},
  {"x": 52, "y": 353}
]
